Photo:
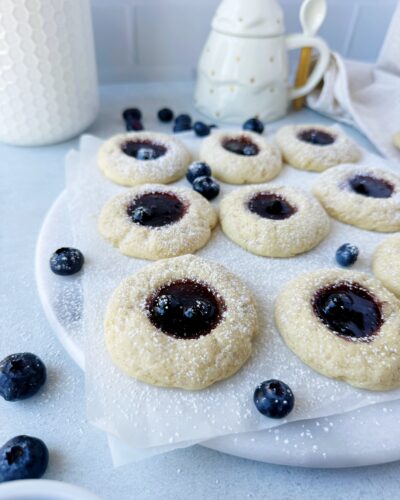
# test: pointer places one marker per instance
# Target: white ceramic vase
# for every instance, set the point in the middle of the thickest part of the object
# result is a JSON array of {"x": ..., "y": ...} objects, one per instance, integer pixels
[
  {"x": 48, "y": 80},
  {"x": 244, "y": 68}
]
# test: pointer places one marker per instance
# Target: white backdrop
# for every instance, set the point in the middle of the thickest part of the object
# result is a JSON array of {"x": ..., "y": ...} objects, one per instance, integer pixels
[{"x": 162, "y": 39}]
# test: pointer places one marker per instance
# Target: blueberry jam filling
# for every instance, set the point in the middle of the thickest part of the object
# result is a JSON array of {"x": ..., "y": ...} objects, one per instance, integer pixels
[
  {"x": 185, "y": 309},
  {"x": 349, "y": 310},
  {"x": 143, "y": 150},
  {"x": 372, "y": 187},
  {"x": 316, "y": 137},
  {"x": 271, "y": 206},
  {"x": 240, "y": 146},
  {"x": 156, "y": 209}
]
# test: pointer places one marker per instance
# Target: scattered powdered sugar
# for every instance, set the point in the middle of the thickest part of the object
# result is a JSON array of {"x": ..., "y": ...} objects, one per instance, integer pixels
[
  {"x": 131, "y": 171},
  {"x": 144, "y": 416},
  {"x": 311, "y": 157}
]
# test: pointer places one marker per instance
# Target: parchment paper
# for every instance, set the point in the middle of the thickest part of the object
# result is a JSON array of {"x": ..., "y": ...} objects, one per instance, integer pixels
[{"x": 144, "y": 417}]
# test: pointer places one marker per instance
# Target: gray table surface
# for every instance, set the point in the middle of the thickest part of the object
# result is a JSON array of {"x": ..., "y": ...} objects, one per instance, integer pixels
[{"x": 30, "y": 180}]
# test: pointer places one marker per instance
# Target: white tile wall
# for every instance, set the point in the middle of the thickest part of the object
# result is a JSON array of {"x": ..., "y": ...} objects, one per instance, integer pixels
[{"x": 162, "y": 39}]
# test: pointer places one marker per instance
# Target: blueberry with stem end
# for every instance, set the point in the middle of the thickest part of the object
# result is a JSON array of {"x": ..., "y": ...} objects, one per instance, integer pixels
[
  {"x": 21, "y": 376},
  {"x": 165, "y": 115},
  {"x": 207, "y": 187},
  {"x": 23, "y": 457},
  {"x": 198, "y": 169},
  {"x": 141, "y": 214},
  {"x": 201, "y": 129},
  {"x": 66, "y": 261},
  {"x": 274, "y": 399},
  {"x": 184, "y": 118},
  {"x": 254, "y": 125},
  {"x": 132, "y": 115},
  {"x": 347, "y": 255},
  {"x": 146, "y": 154},
  {"x": 182, "y": 127}
]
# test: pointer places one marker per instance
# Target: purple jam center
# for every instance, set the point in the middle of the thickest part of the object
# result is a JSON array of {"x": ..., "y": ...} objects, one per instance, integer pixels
[
  {"x": 349, "y": 310},
  {"x": 156, "y": 209},
  {"x": 185, "y": 309},
  {"x": 240, "y": 146},
  {"x": 135, "y": 149},
  {"x": 316, "y": 137},
  {"x": 372, "y": 187},
  {"x": 271, "y": 206}
]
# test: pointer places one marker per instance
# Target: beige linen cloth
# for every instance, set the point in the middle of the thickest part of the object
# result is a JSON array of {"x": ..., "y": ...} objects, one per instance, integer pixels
[{"x": 364, "y": 95}]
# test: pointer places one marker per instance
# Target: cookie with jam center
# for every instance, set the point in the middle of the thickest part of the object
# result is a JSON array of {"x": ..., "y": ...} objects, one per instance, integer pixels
[
  {"x": 316, "y": 147},
  {"x": 343, "y": 324},
  {"x": 241, "y": 157},
  {"x": 273, "y": 221},
  {"x": 183, "y": 322},
  {"x": 155, "y": 221},
  {"x": 142, "y": 157},
  {"x": 386, "y": 263},
  {"x": 362, "y": 196}
]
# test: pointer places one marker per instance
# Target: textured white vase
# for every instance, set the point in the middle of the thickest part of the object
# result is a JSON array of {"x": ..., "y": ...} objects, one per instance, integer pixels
[{"x": 48, "y": 80}]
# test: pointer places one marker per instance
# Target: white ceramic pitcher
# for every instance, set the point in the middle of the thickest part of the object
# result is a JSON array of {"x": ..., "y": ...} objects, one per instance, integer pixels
[{"x": 244, "y": 67}]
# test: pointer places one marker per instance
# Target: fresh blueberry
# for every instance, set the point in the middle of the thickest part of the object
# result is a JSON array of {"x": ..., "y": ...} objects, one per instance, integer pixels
[
  {"x": 254, "y": 125},
  {"x": 165, "y": 115},
  {"x": 198, "y": 169},
  {"x": 250, "y": 150},
  {"x": 145, "y": 154},
  {"x": 201, "y": 129},
  {"x": 141, "y": 215},
  {"x": 134, "y": 126},
  {"x": 274, "y": 399},
  {"x": 21, "y": 376},
  {"x": 201, "y": 310},
  {"x": 66, "y": 261},
  {"x": 336, "y": 305},
  {"x": 165, "y": 305},
  {"x": 316, "y": 137},
  {"x": 206, "y": 186},
  {"x": 184, "y": 118},
  {"x": 346, "y": 255},
  {"x": 23, "y": 457},
  {"x": 132, "y": 115},
  {"x": 182, "y": 127}
]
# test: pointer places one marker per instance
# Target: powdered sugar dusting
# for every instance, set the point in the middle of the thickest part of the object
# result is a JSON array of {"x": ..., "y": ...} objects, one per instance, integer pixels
[
  {"x": 130, "y": 171},
  {"x": 143, "y": 351},
  {"x": 276, "y": 238},
  {"x": 387, "y": 263},
  {"x": 185, "y": 235},
  {"x": 381, "y": 214},
  {"x": 146, "y": 416},
  {"x": 316, "y": 158}
]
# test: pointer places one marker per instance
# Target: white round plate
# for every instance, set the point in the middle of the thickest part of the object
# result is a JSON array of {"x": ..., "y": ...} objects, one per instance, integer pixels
[
  {"x": 42, "y": 489},
  {"x": 367, "y": 436}
]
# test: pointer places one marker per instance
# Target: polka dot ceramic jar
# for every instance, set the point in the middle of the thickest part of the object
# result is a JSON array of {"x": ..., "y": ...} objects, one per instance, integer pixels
[{"x": 244, "y": 69}]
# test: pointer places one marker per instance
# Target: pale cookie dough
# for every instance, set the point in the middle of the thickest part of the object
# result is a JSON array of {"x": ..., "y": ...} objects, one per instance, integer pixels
[
  {"x": 316, "y": 157},
  {"x": 346, "y": 196},
  {"x": 169, "y": 164},
  {"x": 264, "y": 162},
  {"x": 169, "y": 358},
  {"x": 396, "y": 140},
  {"x": 370, "y": 362},
  {"x": 305, "y": 224},
  {"x": 187, "y": 232},
  {"x": 386, "y": 263}
]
